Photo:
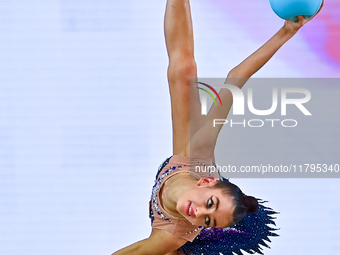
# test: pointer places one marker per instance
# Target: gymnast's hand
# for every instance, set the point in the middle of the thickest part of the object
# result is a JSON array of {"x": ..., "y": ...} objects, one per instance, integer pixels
[{"x": 293, "y": 26}]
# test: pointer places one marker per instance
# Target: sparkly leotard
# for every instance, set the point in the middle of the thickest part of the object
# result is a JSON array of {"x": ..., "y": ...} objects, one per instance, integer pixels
[{"x": 248, "y": 234}]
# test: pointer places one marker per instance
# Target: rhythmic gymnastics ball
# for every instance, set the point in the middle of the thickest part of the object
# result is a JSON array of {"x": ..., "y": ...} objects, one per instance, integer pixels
[{"x": 290, "y": 9}]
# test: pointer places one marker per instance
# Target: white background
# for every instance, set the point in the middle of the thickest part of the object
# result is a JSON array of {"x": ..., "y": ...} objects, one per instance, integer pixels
[{"x": 85, "y": 121}]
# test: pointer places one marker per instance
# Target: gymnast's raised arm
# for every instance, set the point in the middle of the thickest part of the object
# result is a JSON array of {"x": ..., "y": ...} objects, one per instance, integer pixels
[
  {"x": 182, "y": 67},
  {"x": 204, "y": 140}
]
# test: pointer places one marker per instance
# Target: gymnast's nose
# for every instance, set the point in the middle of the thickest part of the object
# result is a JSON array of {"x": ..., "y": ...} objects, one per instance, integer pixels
[{"x": 199, "y": 211}]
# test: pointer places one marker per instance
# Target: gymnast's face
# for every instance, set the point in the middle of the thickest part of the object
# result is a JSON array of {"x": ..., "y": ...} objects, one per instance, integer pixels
[{"x": 206, "y": 206}]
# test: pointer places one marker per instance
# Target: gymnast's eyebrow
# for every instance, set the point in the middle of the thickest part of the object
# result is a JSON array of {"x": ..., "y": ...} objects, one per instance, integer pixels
[{"x": 217, "y": 204}]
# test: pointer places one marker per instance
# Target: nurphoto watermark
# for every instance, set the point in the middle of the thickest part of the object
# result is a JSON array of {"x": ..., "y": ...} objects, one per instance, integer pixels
[{"x": 239, "y": 105}]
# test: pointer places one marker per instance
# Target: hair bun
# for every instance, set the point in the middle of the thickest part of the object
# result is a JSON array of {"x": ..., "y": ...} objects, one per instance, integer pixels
[{"x": 251, "y": 203}]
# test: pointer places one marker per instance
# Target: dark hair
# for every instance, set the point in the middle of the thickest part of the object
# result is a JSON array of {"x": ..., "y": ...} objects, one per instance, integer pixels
[{"x": 243, "y": 204}]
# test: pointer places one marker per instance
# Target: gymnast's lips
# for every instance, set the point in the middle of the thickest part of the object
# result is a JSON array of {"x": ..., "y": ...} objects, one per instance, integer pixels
[
  {"x": 187, "y": 210},
  {"x": 190, "y": 210}
]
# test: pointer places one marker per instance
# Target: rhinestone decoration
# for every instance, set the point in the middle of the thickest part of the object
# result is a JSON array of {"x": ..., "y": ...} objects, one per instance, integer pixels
[
  {"x": 156, "y": 187},
  {"x": 195, "y": 230}
]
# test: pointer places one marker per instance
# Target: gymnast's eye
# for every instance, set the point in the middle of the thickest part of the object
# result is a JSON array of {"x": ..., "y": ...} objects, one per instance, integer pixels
[
  {"x": 210, "y": 203},
  {"x": 207, "y": 221}
]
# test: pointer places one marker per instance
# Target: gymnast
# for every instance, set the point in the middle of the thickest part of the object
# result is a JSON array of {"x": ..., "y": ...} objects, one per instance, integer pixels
[{"x": 185, "y": 204}]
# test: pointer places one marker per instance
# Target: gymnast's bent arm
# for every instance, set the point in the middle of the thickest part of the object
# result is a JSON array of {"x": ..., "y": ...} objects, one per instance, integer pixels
[
  {"x": 160, "y": 242},
  {"x": 204, "y": 141}
]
